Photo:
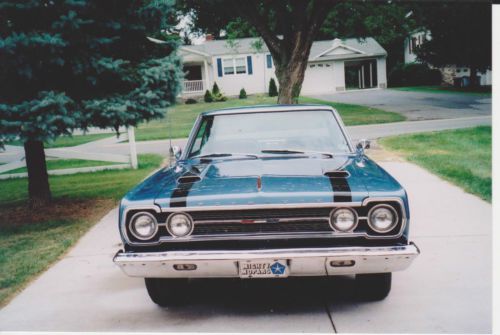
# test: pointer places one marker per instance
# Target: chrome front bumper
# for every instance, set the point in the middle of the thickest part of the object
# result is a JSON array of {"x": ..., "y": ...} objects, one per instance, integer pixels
[{"x": 301, "y": 262}]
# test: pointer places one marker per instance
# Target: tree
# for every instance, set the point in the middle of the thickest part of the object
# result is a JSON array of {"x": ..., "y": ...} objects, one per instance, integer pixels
[
  {"x": 75, "y": 64},
  {"x": 460, "y": 34},
  {"x": 288, "y": 28},
  {"x": 273, "y": 90}
]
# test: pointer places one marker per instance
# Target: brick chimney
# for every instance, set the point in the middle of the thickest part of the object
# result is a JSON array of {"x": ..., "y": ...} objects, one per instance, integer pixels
[{"x": 209, "y": 37}]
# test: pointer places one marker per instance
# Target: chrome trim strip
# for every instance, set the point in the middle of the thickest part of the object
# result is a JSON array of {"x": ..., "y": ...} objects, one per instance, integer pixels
[
  {"x": 301, "y": 261},
  {"x": 279, "y": 220},
  {"x": 262, "y": 236},
  {"x": 261, "y": 206}
]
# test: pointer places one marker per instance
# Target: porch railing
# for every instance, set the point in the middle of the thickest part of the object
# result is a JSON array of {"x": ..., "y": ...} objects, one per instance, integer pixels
[{"x": 192, "y": 86}]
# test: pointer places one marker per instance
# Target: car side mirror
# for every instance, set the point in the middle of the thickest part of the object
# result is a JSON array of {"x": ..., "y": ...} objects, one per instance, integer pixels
[
  {"x": 175, "y": 152},
  {"x": 362, "y": 146}
]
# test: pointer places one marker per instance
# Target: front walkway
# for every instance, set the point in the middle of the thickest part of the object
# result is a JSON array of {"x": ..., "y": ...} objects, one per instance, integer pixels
[{"x": 447, "y": 289}]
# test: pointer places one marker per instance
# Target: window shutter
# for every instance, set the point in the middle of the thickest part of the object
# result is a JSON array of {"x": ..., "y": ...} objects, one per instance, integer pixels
[
  {"x": 249, "y": 64},
  {"x": 269, "y": 59},
  {"x": 219, "y": 67}
]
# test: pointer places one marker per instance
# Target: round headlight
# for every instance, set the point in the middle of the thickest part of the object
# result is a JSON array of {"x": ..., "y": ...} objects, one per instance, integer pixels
[
  {"x": 143, "y": 226},
  {"x": 343, "y": 219},
  {"x": 382, "y": 219},
  {"x": 179, "y": 225}
]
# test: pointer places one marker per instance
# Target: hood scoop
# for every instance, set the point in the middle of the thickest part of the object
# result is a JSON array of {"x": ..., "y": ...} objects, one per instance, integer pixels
[
  {"x": 337, "y": 174},
  {"x": 188, "y": 179},
  {"x": 193, "y": 175}
]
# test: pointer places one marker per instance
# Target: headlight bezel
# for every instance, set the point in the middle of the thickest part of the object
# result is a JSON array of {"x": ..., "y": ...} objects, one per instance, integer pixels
[
  {"x": 133, "y": 231},
  {"x": 169, "y": 218},
  {"x": 336, "y": 229},
  {"x": 394, "y": 214}
]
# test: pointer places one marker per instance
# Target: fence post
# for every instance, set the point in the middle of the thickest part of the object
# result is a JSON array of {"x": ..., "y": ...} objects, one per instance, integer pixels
[{"x": 133, "y": 147}]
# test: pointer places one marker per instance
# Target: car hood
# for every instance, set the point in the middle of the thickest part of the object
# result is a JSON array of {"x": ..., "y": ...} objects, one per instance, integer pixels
[{"x": 277, "y": 180}]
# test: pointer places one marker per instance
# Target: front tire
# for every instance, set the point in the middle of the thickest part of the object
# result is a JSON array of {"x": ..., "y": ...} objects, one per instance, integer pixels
[
  {"x": 167, "y": 291},
  {"x": 373, "y": 286}
]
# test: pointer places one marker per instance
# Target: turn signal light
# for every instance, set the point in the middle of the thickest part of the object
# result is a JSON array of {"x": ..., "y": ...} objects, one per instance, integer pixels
[
  {"x": 338, "y": 264},
  {"x": 185, "y": 267}
]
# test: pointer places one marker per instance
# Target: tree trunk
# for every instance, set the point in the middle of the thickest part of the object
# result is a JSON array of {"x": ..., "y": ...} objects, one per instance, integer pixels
[
  {"x": 38, "y": 179},
  {"x": 474, "y": 80},
  {"x": 290, "y": 79}
]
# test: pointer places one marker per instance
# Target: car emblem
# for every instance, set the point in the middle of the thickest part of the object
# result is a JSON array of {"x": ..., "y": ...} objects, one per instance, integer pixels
[{"x": 277, "y": 268}]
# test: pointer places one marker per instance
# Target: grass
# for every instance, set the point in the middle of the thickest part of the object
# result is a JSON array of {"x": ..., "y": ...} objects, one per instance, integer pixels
[
  {"x": 58, "y": 164},
  {"x": 30, "y": 241},
  {"x": 480, "y": 91},
  {"x": 69, "y": 141},
  {"x": 182, "y": 116},
  {"x": 462, "y": 156}
]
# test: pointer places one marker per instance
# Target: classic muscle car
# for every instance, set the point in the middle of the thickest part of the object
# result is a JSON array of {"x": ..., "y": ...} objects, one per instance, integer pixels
[{"x": 266, "y": 192}]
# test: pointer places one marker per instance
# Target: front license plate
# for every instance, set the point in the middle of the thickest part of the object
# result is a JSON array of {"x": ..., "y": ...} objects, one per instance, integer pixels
[{"x": 263, "y": 268}]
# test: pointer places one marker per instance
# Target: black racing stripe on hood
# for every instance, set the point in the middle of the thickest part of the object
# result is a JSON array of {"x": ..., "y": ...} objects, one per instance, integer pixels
[
  {"x": 341, "y": 189},
  {"x": 181, "y": 193}
]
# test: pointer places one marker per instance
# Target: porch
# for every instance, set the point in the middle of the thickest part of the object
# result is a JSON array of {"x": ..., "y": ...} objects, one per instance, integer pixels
[{"x": 196, "y": 78}]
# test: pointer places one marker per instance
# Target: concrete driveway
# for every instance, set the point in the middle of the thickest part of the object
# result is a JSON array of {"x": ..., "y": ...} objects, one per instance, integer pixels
[
  {"x": 447, "y": 289},
  {"x": 417, "y": 105}
]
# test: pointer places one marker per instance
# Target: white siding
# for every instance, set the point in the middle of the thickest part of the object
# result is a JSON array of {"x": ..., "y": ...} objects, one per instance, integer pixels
[
  {"x": 381, "y": 72},
  {"x": 339, "y": 76},
  {"x": 257, "y": 82}
]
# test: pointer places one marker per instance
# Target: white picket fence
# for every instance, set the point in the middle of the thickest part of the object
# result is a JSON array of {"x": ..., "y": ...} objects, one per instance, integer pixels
[{"x": 77, "y": 152}]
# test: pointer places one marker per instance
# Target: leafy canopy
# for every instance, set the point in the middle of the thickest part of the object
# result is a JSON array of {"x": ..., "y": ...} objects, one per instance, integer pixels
[{"x": 69, "y": 64}]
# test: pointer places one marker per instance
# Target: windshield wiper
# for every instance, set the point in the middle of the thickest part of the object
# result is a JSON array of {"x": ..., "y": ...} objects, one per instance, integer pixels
[
  {"x": 217, "y": 155},
  {"x": 288, "y": 152}
]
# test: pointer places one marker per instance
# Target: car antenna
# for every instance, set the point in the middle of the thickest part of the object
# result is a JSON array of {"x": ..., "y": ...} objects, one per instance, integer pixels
[{"x": 169, "y": 129}]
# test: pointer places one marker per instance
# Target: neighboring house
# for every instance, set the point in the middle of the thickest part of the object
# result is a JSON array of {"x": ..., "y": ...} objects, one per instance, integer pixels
[
  {"x": 333, "y": 66},
  {"x": 450, "y": 72}
]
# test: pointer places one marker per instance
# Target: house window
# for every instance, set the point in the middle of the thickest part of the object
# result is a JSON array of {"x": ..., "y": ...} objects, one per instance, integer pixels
[
  {"x": 234, "y": 65},
  {"x": 228, "y": 66},
  {"x": 413, "y": 44},
  {"x": 269, "y": 60},
  {"x": 240, "y": 65}
]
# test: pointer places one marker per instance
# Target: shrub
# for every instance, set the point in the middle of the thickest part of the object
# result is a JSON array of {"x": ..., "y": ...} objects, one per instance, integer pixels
[
  {"x": 243, "y": 94},
  {"x": 215, "y": 89},
  {"x": 219, "y": 97},
  {"x": 190, "y": 101},
  {"x": 273, "y": 90},
  {"x": 208, "y": 96},
  {"x": 414, "y": 74}
]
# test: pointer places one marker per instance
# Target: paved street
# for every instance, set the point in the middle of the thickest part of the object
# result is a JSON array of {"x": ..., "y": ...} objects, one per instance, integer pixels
[
  {"x": 447, "y": 289},
  {"x": 357, "y": 132},
  {"x": 417, "y": 105}
]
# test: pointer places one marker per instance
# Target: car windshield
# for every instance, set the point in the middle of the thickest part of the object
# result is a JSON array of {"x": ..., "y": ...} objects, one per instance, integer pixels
[{"x": 269, "y": 133}]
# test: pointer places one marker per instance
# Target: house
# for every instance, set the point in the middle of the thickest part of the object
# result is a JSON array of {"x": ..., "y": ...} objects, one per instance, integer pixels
[
  {"x": 450, "y": 73},
  {"x": 333, "y": 66}
]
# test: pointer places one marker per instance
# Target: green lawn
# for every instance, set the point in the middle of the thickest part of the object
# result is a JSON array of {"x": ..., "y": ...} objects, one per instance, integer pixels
[
  {"x": 462, "y": 156},
  {"x": 32, "y": 240},
  {"x": 182, "y": 116},
  {"x": 481, "y": 91},
  {"x": 69, "y": 141},
  {"x": 58, "y": 164}
]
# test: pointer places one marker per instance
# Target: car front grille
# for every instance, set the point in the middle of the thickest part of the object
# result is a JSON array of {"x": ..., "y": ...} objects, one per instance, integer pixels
[{"x": 256, "y": 228}]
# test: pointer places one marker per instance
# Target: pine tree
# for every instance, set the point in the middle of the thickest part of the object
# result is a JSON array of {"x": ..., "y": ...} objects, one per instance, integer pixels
[
  {"x": 243, "y": 94},
  {"x": 76, "y": 64},
  {"x": 215, "y": 89},
  {"x": 273, "y": 90}
]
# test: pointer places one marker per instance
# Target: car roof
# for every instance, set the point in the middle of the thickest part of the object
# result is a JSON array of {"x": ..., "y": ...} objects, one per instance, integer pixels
[{"x": 268, "y": 108}]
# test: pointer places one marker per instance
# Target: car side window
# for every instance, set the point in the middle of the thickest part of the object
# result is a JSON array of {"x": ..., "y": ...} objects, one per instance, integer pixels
[{"x": 201, "y": 136}]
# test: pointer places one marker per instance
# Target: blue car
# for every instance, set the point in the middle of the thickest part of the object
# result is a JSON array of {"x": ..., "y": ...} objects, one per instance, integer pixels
[{"x": 266, "y": 192}]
